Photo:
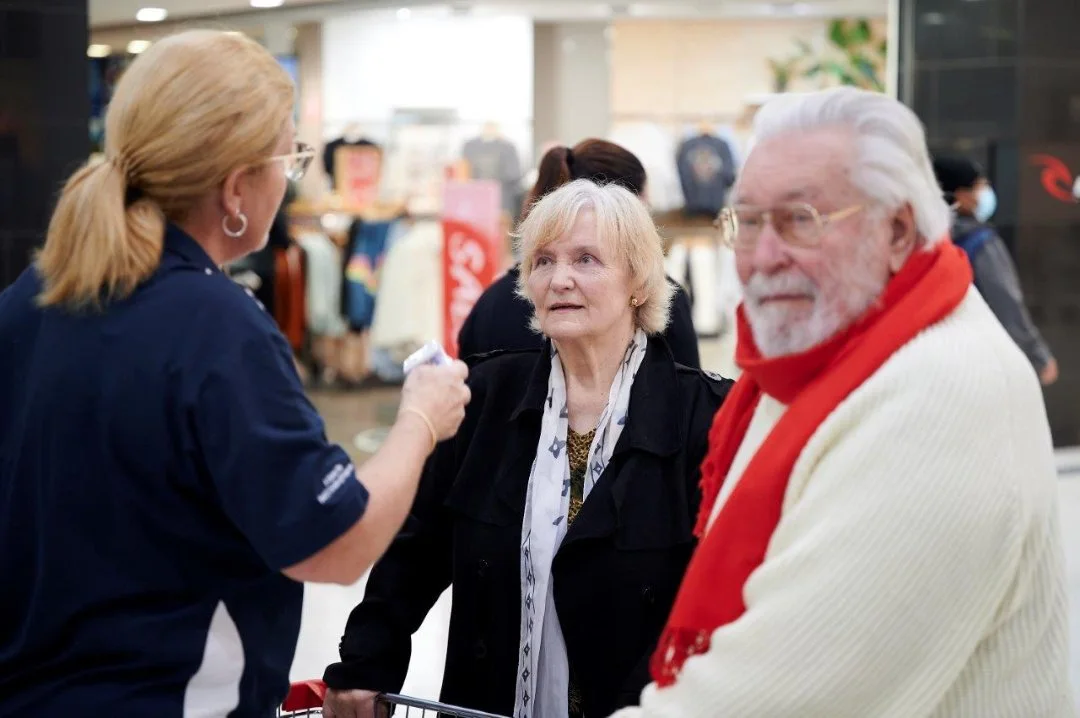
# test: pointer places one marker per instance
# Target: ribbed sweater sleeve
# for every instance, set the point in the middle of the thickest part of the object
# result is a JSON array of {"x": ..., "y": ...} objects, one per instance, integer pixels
[{"x": 918, "y": 518}]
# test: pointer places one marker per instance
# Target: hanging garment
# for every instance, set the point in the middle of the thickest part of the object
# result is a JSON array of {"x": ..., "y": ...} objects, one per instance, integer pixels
[
  {"x": 409, "y": 310},
  {"x": 367, "y": 248},
  {"x": 729, "y": 293},
  {"x": 655, "y": 146},
  {"x": 706, "y": 173},
  {"x": 703, "y": 266},
  {"x": 290, "y": 295},
  {"x": 324, "y": 278}
]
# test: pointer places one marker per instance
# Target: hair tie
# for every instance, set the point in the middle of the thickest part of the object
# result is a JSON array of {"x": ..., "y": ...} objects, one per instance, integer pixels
[{"x": 132, "y": 194}]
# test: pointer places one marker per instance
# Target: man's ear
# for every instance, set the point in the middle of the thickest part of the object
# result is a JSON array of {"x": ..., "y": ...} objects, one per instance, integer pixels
[{"x": 904, "y": 237}]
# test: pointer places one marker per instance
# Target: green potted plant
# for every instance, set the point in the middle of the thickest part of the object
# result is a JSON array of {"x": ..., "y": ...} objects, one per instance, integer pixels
[
  {"x": 854, "y": 56},
  {"x": 784, "y": 71}
]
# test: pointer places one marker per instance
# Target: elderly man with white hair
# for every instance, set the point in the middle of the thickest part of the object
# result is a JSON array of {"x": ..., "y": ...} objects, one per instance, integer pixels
[{"x": 879, "y": 524}]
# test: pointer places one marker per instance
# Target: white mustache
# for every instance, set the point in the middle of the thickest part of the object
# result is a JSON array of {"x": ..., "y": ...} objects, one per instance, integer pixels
[{"x": 761, "y": 287}]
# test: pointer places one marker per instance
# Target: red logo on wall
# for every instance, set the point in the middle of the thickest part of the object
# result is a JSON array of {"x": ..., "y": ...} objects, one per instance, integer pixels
[{"x": 1057, "y": 179}]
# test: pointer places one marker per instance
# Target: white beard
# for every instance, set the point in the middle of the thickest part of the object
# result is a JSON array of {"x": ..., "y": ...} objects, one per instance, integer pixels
[{"x": 849, "y": 293}]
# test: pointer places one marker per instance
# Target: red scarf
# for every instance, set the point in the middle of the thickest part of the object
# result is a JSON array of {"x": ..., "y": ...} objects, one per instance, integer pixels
[{"x": 927, "y": 289}]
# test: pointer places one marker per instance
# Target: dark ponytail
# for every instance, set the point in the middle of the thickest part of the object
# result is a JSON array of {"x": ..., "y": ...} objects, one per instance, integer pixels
[
  {"x": 554, "y": 172},
  {"x": 601, "y": 161}
]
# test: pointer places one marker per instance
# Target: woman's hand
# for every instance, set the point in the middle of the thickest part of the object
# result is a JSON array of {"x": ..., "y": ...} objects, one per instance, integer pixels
[
  {"x": 351, "y": 704},
  {"x": 438, "y": 394}
]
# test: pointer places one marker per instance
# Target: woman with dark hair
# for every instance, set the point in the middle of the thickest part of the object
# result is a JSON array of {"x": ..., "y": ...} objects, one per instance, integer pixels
[{"x": 500, "y": 318}]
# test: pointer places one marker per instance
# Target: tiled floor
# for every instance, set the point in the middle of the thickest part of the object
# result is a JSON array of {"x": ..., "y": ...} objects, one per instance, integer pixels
[{"x": 326, "y": 608}]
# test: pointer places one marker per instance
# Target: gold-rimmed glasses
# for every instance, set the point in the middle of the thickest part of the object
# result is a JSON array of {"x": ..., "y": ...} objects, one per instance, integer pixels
[
  {"x": 798, "y": 224},
  {"x": 296, "y": 162}
]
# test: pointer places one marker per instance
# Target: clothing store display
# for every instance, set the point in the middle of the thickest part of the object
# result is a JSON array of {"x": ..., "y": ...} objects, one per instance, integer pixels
[
  {"x": 324, "y": 279},
  {"x": 729, "y": 291},
  {"x": 415, "y": 166},
  {"x": 368, "y": 243},
  {"x": 496, "y": 158},
  {"x": 871, "y": 544},
  {"x": 329, "y": 156},
  {"x": 735, "y": 140},
  {"x": 500, "y": 321},
  {"x": 694, "y": 264},
  {"x": 543, "y": 669},
  {"x": 613, "y": 575},
  {"x": 406, "y": 318},
  {"x": 656, "y": 147},
  {"x": 706, "y": 172},
  {"x": 290, "y": 294}
]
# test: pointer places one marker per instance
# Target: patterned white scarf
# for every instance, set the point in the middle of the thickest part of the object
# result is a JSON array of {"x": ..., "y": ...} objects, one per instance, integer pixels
[{"x": 543, "y": 668}]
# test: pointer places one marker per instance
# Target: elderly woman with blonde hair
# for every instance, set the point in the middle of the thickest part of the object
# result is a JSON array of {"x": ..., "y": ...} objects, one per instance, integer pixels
[
  {"x": 562, "y": 512},
  {"x": 165, "y": 486}
]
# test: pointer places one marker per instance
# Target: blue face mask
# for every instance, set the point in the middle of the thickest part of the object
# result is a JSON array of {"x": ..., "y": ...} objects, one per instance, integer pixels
[{"x": 987, "y": 204}]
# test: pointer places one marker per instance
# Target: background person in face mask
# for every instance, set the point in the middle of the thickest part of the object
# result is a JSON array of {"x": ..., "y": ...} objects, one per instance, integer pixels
[{"x": 973, "y": 202}]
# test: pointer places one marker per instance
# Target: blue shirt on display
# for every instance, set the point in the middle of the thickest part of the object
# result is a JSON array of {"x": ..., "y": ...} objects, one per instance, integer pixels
[
  {"x": 706, "y": 171},
  {"x": 160, "y": 465}
]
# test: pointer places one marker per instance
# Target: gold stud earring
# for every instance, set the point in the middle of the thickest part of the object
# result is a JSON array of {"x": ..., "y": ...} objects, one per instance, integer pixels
[{"x": 633, "y": 301}]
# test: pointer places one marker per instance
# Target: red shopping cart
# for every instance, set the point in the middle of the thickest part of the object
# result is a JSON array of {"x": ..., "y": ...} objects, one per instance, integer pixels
[{"x": 306, "y": 699}]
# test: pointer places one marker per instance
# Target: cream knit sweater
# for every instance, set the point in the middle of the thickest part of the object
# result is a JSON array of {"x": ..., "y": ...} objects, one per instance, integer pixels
[{"x": 917, "y": 569}]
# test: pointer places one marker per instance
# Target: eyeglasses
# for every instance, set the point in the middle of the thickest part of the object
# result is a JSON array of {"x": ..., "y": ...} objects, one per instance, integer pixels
[
  {"x": 799, "y": 225},
  {"x": 296, "y": 162}
]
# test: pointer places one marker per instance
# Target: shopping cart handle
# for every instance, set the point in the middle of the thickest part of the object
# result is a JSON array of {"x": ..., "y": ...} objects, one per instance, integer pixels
[
  {"x": 440, "y": 709},
  {"x": 304, "y": 696}
]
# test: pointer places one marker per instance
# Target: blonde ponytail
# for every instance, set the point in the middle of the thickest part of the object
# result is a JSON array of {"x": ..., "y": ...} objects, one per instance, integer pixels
[
  {"x": 193, "y": 108},
  {"x": 96, "y": 249}
]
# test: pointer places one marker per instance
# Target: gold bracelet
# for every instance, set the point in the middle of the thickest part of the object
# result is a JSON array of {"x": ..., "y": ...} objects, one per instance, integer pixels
[{"x": 426, "y": 420}]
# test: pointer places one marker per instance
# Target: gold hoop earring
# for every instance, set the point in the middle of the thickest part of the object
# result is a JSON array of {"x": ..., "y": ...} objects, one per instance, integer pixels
[{"x": 235, "y": 234}]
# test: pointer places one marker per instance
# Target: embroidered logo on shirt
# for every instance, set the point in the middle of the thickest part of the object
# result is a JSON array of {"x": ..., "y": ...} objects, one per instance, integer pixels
[{"x": 334, "y": 481}]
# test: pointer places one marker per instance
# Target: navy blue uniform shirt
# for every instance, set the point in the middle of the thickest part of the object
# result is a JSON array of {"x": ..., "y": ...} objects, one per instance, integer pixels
[{"x": 159, "y": 466}]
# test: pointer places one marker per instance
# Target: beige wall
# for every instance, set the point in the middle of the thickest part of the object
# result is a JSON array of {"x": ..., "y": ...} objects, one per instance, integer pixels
[
  {"x": 308, "y": 48},
  {"x": 702, "y": 67},
  {"x": 571, "y": 83}
]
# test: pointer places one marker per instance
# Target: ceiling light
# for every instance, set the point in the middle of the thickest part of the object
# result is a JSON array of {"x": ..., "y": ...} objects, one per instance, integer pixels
[
  {"x": 267, "y": 3},
  {"x": 136, "y": 46},
  {"x": 98, "y": 51},
  {"x": 151, "y": 14},
  {"x": 404, "y": 13}
]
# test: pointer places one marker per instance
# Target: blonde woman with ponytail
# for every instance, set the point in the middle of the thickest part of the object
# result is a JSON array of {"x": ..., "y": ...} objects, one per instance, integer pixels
[{"x": 165, "y": 486}]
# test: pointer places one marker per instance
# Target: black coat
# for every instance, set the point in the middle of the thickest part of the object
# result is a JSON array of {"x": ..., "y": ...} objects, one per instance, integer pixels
[
  {"x": 500, "y": 321},
  {"x": 615, "y": 574}
]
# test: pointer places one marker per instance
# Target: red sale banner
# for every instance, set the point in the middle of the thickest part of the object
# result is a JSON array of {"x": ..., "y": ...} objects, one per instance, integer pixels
[{"x": 472, "y": 250}]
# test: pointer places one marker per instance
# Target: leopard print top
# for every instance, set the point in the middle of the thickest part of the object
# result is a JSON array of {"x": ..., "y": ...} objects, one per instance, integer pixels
[{"x": 578, "y": 446}]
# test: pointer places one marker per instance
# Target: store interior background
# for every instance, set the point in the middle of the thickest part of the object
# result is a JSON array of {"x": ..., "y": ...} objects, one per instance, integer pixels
[{"x": 421, "y": 79}]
